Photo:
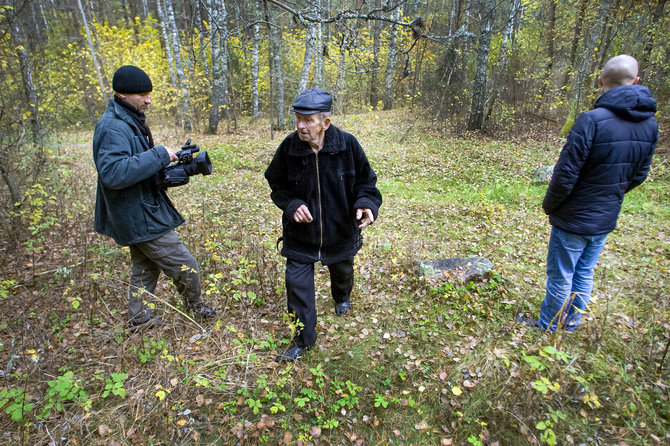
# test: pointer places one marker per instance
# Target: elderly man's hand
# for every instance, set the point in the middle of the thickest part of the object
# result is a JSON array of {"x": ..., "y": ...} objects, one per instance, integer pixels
[
  {"x": 302, "y": 215},
  {"x": 365, "y": 216}
]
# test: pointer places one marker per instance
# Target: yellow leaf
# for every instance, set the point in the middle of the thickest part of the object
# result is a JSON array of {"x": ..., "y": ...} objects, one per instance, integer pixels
[
  {"x": 160, "y": 395},
  {"x": 181, "y": 422},
  {"x": 456, "y": 390}
]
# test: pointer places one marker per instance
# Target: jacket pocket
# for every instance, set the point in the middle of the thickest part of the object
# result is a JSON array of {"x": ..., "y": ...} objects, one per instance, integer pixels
[{"x": 156, "y": 216}]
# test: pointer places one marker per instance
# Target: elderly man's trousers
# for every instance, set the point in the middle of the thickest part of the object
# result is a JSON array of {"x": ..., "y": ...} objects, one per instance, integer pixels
[
  {"x": 300, "y": 294},
  {"x": 167, "y": 254}
]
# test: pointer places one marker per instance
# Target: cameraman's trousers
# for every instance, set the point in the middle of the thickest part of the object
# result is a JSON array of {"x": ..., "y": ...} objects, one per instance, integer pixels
[
  {"x": 301, "y": 298},
  {"x": 167, "y": 254}
]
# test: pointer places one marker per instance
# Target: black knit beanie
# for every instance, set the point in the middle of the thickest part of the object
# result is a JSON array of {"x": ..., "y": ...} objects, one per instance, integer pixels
[{"x": 130, "y": 79}]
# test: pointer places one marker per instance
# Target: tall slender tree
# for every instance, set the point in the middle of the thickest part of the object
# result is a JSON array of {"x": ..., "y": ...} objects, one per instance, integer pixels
[
  {"x": 390, "y": 64},
  {"x": 476, "y": 118},
  {"x": 92, "y": 51},
  {"x": 219, "y": 45},
  {"x": 183, "y": 105}
]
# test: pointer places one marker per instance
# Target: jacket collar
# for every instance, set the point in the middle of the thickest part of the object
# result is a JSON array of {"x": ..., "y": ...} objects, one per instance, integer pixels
[
  {"x": 123, "y": 115},
  {"x": 332, "y": 143}
]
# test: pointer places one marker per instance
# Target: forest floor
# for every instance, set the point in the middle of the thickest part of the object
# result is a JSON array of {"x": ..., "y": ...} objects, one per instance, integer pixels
[{"x": 416, "y": 362}]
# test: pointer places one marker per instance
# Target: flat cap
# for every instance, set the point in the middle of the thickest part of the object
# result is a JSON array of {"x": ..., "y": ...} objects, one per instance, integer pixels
[
  {"x": 314, "y": 100},
  {"x": 130, "y": 79}
]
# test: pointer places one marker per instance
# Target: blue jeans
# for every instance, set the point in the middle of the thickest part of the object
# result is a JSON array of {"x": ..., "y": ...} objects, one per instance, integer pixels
[{"x": 570, "y": 263}]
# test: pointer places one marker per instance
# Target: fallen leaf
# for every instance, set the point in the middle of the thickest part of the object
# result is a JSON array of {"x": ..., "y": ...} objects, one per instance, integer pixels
[
  {"x": 315, "y": 431},
  {"x": 103, "y": 430},
  {"x": 456, "y": 390},
  {"x": 421, "y": 426}
]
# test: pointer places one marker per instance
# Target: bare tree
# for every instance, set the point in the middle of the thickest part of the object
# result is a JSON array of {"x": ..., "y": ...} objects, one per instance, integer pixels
[
  {"x": 310, "y": 44},
  {"x": 92, "y": 50},
  {"x": 390, "y": 64},
  {"x": 583, "y": 69},
  {"x": 219, "y": 45},
  {"x": 479, "y": 85},
  {"x": 183, "y": 105},
  {"x": 276, "y": 76},
  {"x": 255, "y": 61}
]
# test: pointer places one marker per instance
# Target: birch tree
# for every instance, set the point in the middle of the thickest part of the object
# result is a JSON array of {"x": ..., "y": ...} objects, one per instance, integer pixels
[
  {"x": 219, "y": 45},
  {"x": 590, "y": 44},
  {"x": 476, "y": 118},
  {"x": 92, "y": 50},
  {"x": 310, "y": 44},
  {"x": 183, "y": 105},
  {"x": 390, "y": 64},
  {"x": 255, "y": 61},
  {"x": 276, "y": 76},
  {"x": 168, "y": 46}
]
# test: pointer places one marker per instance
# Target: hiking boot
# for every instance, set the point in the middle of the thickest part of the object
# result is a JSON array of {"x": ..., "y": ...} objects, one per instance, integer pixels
[
  {"x": 292, "y": 353},
  {"x": 528, "y": 321},
  {"x": 152, "y": 322},
  {"x": 342, "y": 308},
  {"x": 202, "y": 311}
]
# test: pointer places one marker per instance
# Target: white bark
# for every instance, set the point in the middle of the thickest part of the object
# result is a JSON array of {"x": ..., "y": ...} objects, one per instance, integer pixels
[
  {"x": 176, "y": 53},
  {"x": 254, "y": 63},
  {"x": 168, "y": 46},
  {"x": 390, "y": 65},
  {"x": 310, "y": 41},
  {"x": 92, "y": 50},
  {"x": 219, "y": 42}
]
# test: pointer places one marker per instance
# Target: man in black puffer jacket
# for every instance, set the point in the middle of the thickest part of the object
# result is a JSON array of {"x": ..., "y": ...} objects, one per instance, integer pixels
[
  {"x": 608, "y": 153},
  {"x": 322, "y": 181}
]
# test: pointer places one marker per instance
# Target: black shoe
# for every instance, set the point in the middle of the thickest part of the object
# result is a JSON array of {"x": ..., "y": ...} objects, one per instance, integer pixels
[
  {"x": 342, "y": 308},
  {"x": 202, "y": 311},
  {"x": 152, "y": 322},
  {"x": 292, "y": 353},
  {"x": 528, "y": 321}
]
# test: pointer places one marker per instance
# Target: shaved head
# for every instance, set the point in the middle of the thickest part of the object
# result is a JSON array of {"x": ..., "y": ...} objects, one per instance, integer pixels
[{"x": 619, "y": 70}]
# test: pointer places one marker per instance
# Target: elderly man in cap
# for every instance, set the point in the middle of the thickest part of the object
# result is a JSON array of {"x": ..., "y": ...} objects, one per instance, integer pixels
[
  {"x": 322, "y": 181},
  {"x": 131, "y": 208}
]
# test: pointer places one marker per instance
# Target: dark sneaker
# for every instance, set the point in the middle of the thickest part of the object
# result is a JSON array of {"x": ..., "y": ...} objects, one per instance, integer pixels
[
  {"x": 342, "y": 308},
  {"x": 202, "y": 311},
  {"x": 528, "y": 321},
  {"x": 292, "y": 353},
  {"x": 152, "y": 322}
]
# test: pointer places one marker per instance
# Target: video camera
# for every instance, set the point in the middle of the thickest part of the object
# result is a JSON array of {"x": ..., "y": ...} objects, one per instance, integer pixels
[{"x": 187, "y": 165}]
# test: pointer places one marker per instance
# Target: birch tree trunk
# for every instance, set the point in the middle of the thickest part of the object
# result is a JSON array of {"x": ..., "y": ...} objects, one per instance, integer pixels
[
  {"x": 319, "y": 60},
  {"x": 310, "y": 43},
  {"x": 203, "y": 44},
  {"x": 254, "y": 62},
  {"x": 476, "y": 119},
  {"x": 516, "y": 10},
  {"x": 390, "y": 65},
  {"x": 579, "y": 21},
  {"x": 219, "y": 43},
  {"x": 105, "y": 98},
  {"x": 168, "y": 46},
  {"x": 374, "y": 71},
  {"x": 645, "y": 68},
  {"x": 276, "y": 78},
  {"x": 30, "y": 97},
  {"x": 183, "y": 105},
  {"x": 546, "y": 79},
  {"x": 582, "y": 74}
]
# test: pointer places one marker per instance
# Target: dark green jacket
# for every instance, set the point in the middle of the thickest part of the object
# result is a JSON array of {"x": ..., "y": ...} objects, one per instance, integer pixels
[{"x": 129, "y": 207}]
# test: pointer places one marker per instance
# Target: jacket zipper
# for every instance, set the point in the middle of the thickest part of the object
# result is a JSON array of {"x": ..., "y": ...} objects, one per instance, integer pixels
[{"x": 318, "y": 189}]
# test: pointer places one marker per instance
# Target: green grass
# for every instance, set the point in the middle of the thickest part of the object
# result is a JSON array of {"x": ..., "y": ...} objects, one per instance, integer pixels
[{"x": 416, "y": 362}]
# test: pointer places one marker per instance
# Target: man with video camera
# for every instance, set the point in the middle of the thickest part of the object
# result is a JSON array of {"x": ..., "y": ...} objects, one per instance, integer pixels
[{"x": 130, "y": 205}]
